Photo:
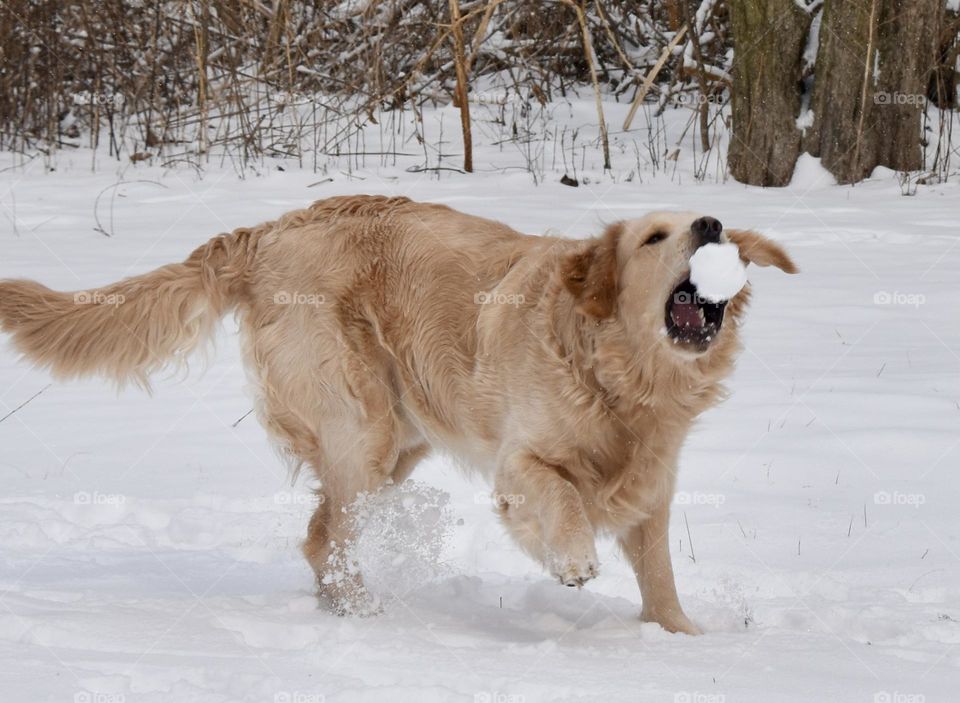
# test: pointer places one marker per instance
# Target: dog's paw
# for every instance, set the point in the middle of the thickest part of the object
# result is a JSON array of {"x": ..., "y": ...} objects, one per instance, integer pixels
[
  {"x": 359, "y": 607},
  {"x": 575, "y": 569},
  {"x": 675, "y": 622},
  {"x": 350, "y": 606},
  {"x": 347, "y": 596}
]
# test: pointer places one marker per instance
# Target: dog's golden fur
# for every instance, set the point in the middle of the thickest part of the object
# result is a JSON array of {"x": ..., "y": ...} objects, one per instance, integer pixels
[{"x": 377, "y": 328}]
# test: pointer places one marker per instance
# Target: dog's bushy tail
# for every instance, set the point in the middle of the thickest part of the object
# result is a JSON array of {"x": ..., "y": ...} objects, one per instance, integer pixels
[{"x": 127, "y": 330}]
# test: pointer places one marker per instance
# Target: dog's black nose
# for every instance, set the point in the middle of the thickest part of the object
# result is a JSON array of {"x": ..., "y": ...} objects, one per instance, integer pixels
[{"x": 706, "y": 230}]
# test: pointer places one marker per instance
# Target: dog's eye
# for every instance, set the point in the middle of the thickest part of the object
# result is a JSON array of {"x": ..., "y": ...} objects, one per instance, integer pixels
[{"x": 655, "y": 238}]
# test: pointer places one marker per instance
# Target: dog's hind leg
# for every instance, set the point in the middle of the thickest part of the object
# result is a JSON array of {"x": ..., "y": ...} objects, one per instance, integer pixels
[
  {"x": 332, "y": 528},
  {"x": 347, "y": 434},
  {"x": 545, "y": 514},
  {"x": 356, "y": 462},
  {"x": 362, "y": 455},
  {"x": 325, "y": 394}
]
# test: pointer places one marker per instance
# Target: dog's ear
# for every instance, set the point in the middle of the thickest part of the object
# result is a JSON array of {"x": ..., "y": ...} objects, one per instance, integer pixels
[
  {"x": 591, "y": 274},
  {"x": 757, "y": 249}
]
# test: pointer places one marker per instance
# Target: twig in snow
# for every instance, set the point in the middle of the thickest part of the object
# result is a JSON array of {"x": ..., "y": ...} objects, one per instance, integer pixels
[
  {"x": 242, "y": 418},
  {"x": 589, "y": 58},
  {"x": 652, "y": 76},
  {"x": 701, "y": 79},
  {"x": 25, "y": 402},
  {"x": 460, "y": 61},
  {"x": 99, "y": 228},
  {"x": 693, "y": 556},
  {"x": 13, "y": 213},
  {"x": 425, "y": 169},
  {"x": 917, "y": 580}
]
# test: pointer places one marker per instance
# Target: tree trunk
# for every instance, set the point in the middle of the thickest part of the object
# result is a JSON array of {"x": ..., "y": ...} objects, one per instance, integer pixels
[
  {"x": 873, "y": 69},
  {"x": 943, "y": 82},
  {"x": 769, "y": 38}
]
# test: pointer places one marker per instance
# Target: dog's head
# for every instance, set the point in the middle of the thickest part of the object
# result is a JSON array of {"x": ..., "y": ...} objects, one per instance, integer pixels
[{"x": 639, "y": 271}]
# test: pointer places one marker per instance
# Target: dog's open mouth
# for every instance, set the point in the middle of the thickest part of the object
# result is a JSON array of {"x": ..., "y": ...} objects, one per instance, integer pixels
[{"x": 692, "y": 320}]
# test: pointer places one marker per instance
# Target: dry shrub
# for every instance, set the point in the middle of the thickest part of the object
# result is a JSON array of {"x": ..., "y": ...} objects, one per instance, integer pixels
[{"x": 177, "y": 78}]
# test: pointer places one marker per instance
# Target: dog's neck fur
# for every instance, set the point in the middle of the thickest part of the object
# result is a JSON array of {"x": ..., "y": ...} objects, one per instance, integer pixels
[{"x": 628, "y": 375}]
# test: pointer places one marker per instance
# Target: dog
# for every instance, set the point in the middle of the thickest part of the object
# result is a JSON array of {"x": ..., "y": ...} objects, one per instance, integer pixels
[{"x": 376, "y": 329}]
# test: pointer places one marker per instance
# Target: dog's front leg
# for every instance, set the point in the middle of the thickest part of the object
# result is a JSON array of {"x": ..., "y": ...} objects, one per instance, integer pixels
[
  {"x": 647, "y": 547},
  {"x": 544, "y": 513}
]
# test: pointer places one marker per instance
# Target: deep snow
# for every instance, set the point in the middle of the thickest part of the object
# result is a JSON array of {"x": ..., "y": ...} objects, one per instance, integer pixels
[{"x": 149, "y": 546}]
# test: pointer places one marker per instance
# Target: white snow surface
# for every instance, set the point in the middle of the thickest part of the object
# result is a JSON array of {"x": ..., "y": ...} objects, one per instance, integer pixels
[
  {"x": 149, "y": 546},
  {"x": 809, "y": 173},
  {"x": 717, "y": 271}
]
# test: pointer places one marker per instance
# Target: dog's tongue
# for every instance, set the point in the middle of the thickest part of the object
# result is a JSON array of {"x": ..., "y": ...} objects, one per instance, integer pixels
[{"x": 686, "y": 315}]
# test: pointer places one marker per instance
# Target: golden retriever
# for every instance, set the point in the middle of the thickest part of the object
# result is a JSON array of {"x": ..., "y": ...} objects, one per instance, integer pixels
[{"x": 375, "y": 328}]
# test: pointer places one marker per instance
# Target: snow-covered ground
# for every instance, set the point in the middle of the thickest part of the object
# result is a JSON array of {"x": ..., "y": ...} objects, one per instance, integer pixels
[{"x": 149, "y": 546}]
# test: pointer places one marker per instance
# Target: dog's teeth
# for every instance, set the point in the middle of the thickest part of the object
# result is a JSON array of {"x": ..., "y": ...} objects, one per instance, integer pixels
[{"x": 703, "y": 318}]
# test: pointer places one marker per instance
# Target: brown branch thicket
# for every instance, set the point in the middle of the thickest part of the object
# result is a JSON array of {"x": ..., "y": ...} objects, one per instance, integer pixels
[{"x": 168, "y": 76}]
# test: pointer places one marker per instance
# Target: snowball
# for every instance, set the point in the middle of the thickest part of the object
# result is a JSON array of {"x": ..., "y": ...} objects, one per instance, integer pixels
[{"x": 717, "y": 271}]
